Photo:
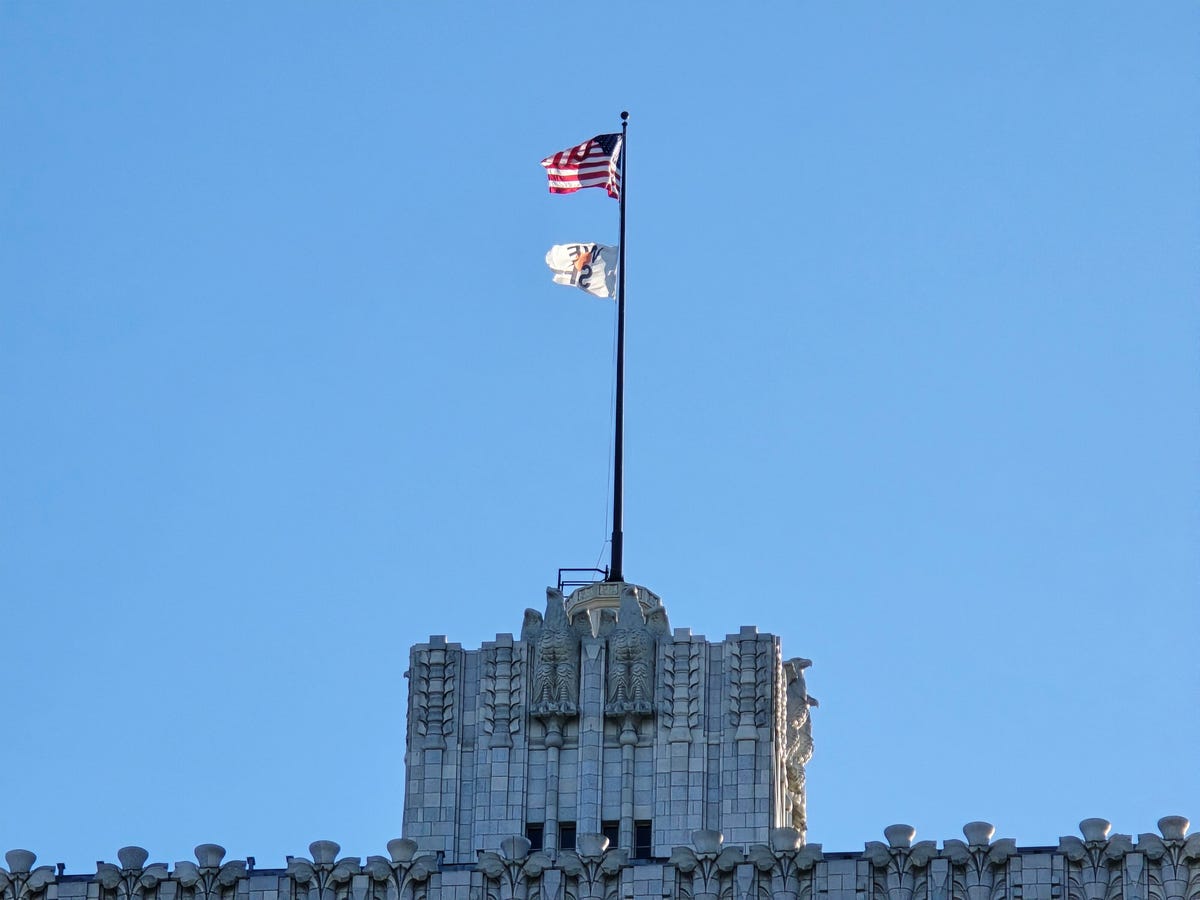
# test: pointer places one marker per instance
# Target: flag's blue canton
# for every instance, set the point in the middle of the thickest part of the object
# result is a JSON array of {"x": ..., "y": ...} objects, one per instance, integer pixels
[{"x": 607, "y": 142}]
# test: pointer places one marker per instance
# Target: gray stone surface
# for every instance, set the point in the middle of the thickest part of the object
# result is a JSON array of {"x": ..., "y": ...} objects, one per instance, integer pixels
[
  {"x": 600, "y": 714},
  {"x": 1095, "y": 866},
  {"x": 600, "y": 717}
]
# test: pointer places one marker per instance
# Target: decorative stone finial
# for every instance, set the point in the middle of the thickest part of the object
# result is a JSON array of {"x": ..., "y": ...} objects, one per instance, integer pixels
[
  {"x": 133, "y": 857},
  {"x": 401, "y": 850},
  {"x": 1174, "y": 828},
  {"x": 784, "y": 840},
  {"x": 209, "y": 855},
  {"x": 979, "y": 834},
  {"x": 21, "y": 861},
  {"x": 515, "y": 848},
  {"x": 1094, "y": 829},
  {"x": 591, "y": 845},
  {"x": 324, "y": 853},
  {"x": 706, "y": 840},
  {"x": 899, "y": 836}
]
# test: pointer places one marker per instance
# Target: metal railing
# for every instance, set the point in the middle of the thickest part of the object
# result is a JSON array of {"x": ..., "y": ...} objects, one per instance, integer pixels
[{"x": 565, "y": 582}]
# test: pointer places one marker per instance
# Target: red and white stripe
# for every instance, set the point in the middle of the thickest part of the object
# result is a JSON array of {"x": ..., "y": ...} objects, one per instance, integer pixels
[{"x": 586, "y": 165}]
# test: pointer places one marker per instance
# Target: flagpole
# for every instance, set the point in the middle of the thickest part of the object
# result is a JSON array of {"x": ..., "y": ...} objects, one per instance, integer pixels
[{"x": 618, "y": 536}]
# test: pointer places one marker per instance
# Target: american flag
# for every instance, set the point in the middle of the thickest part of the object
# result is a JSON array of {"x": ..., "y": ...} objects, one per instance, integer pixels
[{"x": 594, "y": 163}]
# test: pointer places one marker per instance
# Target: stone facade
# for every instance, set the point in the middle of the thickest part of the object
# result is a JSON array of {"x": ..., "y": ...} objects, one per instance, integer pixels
[
  {"x": 602, "y": 755},
  {"x": 601, "y": 719},
  {"x": 1095, "y": 866}
]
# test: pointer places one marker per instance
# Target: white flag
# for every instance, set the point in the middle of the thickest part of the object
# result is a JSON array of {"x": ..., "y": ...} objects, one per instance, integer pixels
[{"x": 589, "y": 267}]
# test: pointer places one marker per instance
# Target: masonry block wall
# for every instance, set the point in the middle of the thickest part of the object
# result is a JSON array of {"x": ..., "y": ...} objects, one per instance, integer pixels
[{"x": 599, "y": 719}]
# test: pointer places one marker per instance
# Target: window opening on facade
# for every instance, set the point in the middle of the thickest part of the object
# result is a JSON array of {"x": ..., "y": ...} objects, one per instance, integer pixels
[
  {"x": 642, "y": 840},
  {"x": 566, "y": 836},
  {"x": 612, "y": 831},
  {"x": 536, "y": 833}
]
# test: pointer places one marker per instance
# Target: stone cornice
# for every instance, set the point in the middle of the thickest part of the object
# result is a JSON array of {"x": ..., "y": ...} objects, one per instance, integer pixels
[{"x": 1096, "y": 865}]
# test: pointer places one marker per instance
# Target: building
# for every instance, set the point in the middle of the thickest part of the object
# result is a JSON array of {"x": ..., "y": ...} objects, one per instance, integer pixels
[{"x": 602, "y": 754}]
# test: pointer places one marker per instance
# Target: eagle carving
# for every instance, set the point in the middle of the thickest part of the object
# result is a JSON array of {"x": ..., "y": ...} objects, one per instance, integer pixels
[
  {"x": 555, "y": 658},
  {"x": 631, "y": 651},
  {"x": 798, "y": 747}
]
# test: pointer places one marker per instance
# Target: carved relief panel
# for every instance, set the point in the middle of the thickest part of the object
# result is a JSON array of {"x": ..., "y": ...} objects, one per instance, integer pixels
[
  {"x": 797, "y": 743},
  {"x": 555, "y": 671},
  {"x": 433, "y": 677},
  {"x": 632, "y": 645},
  {"x": 500, "y": 689}
]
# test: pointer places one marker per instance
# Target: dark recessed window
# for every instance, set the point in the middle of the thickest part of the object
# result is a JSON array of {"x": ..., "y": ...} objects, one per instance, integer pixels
[
  {"x": 536, "y": 832},
  {"x": 566, "y": 836},
  {"x": 642, "y": 840},
  {"x": 612, "y": 831}
]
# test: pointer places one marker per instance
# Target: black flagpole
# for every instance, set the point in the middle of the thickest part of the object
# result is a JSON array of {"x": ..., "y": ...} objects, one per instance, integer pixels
[{"x": 618, "y": 535}]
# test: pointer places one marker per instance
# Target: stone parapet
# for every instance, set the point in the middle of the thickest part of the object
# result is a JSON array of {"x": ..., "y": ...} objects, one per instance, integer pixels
[{"x": 1096, "y": 865}]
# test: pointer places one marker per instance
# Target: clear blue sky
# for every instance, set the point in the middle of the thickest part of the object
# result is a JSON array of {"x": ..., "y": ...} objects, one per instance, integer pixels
[{"x": 913, "y": 382}]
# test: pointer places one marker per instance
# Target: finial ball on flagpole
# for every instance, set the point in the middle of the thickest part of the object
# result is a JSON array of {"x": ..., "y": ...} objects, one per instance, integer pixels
[{"x": 624, "y": 115}]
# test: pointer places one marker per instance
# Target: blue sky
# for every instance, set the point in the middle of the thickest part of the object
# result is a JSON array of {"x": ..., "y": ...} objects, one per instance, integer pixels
[{"x": 286, "y": 387}]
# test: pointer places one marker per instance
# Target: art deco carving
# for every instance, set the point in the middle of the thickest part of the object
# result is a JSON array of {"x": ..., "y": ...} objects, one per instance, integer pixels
[
  {"x": 977, "y": 867},
  {"x": 750, "y": 680},
  {"x": 1175, "y": 860},
  {"x": 1096, "y": 867},
  {"x": 514, "y": 873},
  {"x": 593, "y": 871},
  {"x": 324, "y": 877},
  {"x": 133, "y": 878},
  {"x": 785, "y": 867},
  {"x": 431, "y": 695},
  {"x": 1093, "y": 864},
  {"x": 900, "y": 868},
  {"x": 797, "y": 738},
  {"x": 631, "y": 651},
  {"x": 500, "y": 687},
  {"x": 706, "y": 868},
  {"x": 405, "y": 876},
  {"x": 20, "y": 881},
  {"x": 555, "y": 659},
  {"x": 681, "y": 688},
  {"x": 210, "y": 880}
]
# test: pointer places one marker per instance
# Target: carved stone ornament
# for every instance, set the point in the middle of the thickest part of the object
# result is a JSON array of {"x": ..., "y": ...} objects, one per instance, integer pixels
[
  {"x": 798, "y": 742},
  {"x": 900, "y": 868},
  {"x": 324, "y": 877},
  {"x": 405, "y": 876},
  {"x": 500, "y": 689},
  {"x": 433, "y": 676},
  {"x": 1093, "y": 864},
  {"x": 209, "y": 880},
  {"x": 785, "y": 866},
  {"x": 977, "y": 866},
  {"x": 514, "y": 872},
  {"x": 20, "y": 881},
  {"x": 682, "y": 679},
  {"x": 706, "y": 868},
  {"x": 1175, "y": 860},
  {"x": 593, "y": 870},
  {"x": 555, "y": 659},
  {"x": 752, "y": 683},
  {"x": 132, "y": 879},
  {"x": 631, "y": 649}
]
